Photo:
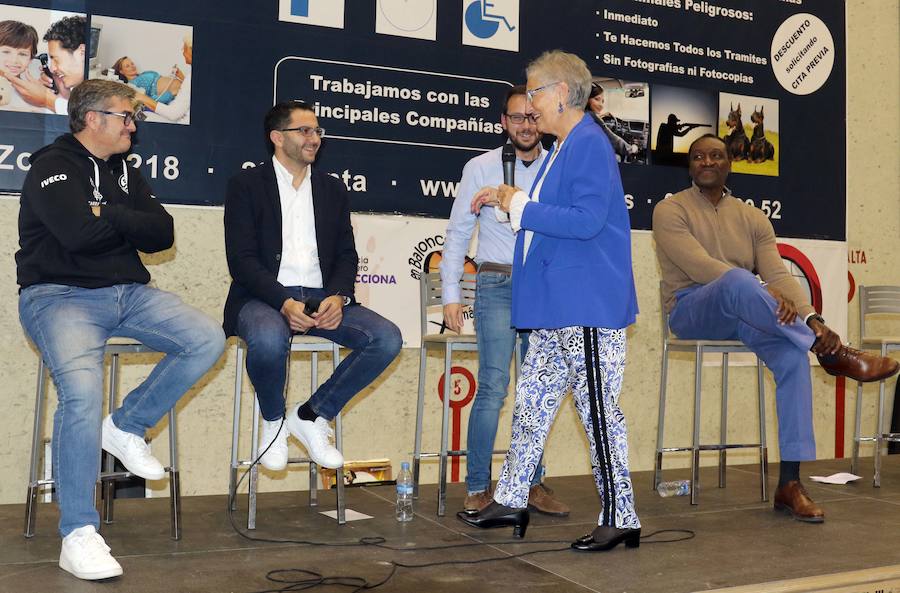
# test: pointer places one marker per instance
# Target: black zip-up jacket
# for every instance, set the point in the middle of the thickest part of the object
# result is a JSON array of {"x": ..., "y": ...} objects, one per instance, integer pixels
[{"x": 61, "y": 241}]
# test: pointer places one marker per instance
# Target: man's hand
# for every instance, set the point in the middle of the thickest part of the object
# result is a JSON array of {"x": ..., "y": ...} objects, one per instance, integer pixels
[
  {"x": 453, "y": 316},
  {"x": 296, "y": 318},
  {"x": 330, "y": 313},
  {"x": 787, "y": 309},
  {"x": 96, "y": 211},
  {"x": 827, "y": 341},
  {"x": 33, "y": 91}
]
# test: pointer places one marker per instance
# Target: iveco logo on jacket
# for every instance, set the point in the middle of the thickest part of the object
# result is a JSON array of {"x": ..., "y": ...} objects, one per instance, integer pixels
[{"x": 53, "y": 179}]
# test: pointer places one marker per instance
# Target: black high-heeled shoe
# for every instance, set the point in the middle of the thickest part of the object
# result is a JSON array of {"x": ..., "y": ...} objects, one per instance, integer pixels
[
  {"x": 497, "y": 515},
  {"x": 605, "y": 538}
]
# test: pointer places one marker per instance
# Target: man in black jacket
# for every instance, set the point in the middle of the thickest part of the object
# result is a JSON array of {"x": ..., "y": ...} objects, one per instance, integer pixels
[
  {"x": 84, "y": 215},
  {"x": 293, "y": 262}
]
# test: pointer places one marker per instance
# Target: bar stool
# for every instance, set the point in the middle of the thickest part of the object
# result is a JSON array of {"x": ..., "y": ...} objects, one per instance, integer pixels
[
  {"x": 115, "y": 347},
  {"x": 430, "y": 296},
  {"x": 875, "y": 300},
  {"x": 299, "y": 343},
  {"x": 699, "y": 348}
]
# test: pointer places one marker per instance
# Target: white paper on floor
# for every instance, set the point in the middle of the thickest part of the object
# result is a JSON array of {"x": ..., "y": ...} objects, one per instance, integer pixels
[
  {"x": 838, "y": 478},
  {"x": 349, "y": 514}
]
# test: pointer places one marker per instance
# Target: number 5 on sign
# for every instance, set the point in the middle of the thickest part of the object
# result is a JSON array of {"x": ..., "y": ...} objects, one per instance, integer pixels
[{"x": 462, "y": 380}]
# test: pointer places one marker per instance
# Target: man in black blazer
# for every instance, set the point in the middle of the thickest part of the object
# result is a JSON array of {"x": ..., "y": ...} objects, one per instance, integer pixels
[{"x": 293, "y": 266}]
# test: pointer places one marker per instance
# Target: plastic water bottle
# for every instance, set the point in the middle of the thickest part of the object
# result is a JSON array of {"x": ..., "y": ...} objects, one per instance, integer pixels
[
  {"x": 404, "y": 493},
  {"x": 674, "y": 488}
]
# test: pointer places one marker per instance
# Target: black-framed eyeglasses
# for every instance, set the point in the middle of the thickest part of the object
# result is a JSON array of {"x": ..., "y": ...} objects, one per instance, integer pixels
[
  {"x": 519, "y": 118},
  {"x": 128, "y": 117},
  {"x": 306, "y": 131},
  {"x": 531, "y": 93}
]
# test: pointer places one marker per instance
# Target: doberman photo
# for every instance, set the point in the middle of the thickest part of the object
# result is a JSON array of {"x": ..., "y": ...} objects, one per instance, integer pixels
[
  {"x": 761, "y": 149},
  {"x": 737, "y": 141}
]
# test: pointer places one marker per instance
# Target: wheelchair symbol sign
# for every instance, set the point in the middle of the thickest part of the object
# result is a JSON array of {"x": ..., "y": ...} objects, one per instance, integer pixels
[{"x": 491, "y": 23}]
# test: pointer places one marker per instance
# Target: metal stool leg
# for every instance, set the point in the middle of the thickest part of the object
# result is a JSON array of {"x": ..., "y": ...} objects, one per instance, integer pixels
[
  {"x": 174, "y": 478},
  {"x": 695, "y": 450},
  {"x": 445, "y": 420},
  {"x": 313, "y": 484},
  {"x": 763, "y": 449},
  {"x": 660, "y": 423},
  {"x": 857, "y": 427},
  {"x": 339, "y": 474},
  {"x": 37, "y": 433},
  {"x": 339, "y": 443},
  {"x": 420, "y": 404},
  {"x": 313, "y": 468},
  {"x": 723, "y": 421},
  {"x": 109, "y": 486},
  {"x": 254, "y": 470},
  {"x": 236, "y": 423},
  {"x": 879, "y": 434}
]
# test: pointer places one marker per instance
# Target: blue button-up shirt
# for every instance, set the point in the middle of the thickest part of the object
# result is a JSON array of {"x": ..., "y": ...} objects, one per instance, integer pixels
[{"x": 496, "y": 240}]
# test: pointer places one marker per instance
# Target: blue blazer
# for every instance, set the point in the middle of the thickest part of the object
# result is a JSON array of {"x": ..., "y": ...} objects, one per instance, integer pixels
[{"x": 578, "y": 269}]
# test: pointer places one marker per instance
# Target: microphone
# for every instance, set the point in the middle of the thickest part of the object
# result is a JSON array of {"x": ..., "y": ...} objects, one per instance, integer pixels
[{"x": 509, "y": 164}]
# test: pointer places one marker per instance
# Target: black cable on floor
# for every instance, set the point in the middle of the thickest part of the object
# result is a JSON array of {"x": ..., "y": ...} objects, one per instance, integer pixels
[{"x": 299, "y": 579}]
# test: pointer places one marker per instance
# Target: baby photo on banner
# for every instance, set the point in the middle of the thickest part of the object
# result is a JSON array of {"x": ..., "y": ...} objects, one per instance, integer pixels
[{"x": 42, "y": 55}]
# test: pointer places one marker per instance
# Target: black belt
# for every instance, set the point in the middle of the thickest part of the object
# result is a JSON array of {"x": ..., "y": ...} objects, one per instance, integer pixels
[{"x": 490, "y": 266}]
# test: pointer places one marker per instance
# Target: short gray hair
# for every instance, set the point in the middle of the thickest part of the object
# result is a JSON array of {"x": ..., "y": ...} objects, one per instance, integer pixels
[
  {"x": 557, "y": 65},
  {"x": 92, "y": 95}
]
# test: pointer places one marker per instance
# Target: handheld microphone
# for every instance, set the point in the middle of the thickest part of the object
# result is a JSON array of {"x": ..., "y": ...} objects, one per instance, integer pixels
[{"x": 509, "y": 164}]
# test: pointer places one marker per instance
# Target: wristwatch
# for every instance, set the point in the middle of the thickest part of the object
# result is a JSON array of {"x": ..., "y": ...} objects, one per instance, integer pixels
[
  {"x": 817, "y": 317},
  {"x": 347, "y": 300}
]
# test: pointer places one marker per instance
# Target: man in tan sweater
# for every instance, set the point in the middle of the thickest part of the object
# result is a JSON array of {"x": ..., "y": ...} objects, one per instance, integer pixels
[{"x": 710, "y": 247}]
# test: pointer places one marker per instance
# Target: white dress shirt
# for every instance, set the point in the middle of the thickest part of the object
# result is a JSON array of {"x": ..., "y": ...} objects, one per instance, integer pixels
[
  {"x": 520, "y": 199},
  {"x": 299, "y": 250}
]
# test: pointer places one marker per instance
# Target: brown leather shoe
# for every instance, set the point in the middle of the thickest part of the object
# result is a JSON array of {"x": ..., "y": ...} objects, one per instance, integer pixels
[
  {"x": 478, "y": 501},
  {"x": 794, "y": 499},
  {"x": 540, "y": 499},
  {"x": 857, "y": 365}
]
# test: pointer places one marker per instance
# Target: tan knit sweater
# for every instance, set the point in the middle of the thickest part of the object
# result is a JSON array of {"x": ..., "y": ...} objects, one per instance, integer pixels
[{"x": 697, "y": 242}]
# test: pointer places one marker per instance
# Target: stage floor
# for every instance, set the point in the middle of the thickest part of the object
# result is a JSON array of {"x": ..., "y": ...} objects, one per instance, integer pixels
[{"x": 740, "y": 542}]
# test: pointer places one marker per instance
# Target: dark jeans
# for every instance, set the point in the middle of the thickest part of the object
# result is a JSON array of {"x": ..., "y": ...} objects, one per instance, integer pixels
[{"x": 374, "y": 340}]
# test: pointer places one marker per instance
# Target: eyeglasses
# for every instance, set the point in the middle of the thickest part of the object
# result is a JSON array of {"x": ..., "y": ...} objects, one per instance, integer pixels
[
  {"x": 519, "y": 118},
  {"x": 128, "y": 117},
  {"x": 530, "y": 94},
  {"x": 306, "y": 131}
]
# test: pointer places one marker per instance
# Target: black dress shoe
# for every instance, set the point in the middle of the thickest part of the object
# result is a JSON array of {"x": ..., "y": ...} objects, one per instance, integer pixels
[
  {"x": 497, "y": 515},
  {"x": 606, "y": 538}
]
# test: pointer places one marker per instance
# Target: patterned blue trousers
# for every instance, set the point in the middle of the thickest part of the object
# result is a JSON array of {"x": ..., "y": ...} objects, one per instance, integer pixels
[{"x": 590, "y": 361}]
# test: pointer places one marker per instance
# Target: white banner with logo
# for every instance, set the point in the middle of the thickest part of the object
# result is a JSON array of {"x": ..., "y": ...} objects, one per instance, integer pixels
[{"x": 393, "y": 251}]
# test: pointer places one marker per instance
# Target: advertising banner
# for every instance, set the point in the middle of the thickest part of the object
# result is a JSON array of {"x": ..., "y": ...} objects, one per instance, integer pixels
[{"x": 408, "y": 92}]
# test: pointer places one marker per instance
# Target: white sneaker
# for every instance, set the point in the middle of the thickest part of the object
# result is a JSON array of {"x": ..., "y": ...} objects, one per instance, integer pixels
[
  {"x": 274, "y": 436},
  {"x": 316, "y": 437},
  {"x": 132, "y": 451},
  {"x": 86, "y": 555}
]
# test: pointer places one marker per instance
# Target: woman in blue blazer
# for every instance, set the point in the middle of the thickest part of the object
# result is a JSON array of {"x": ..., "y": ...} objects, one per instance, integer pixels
[{"x": 572, "y": 285}]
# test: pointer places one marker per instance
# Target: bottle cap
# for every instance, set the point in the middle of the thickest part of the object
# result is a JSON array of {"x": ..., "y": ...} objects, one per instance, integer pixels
[{"x": 404, "y": 465}]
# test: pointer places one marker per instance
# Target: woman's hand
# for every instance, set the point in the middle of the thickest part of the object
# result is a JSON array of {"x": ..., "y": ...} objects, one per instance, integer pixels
[
  {"x": 505, "y": 194},
  {"x": 486, "y": 196},
  {"x": 145, "y": 100}
]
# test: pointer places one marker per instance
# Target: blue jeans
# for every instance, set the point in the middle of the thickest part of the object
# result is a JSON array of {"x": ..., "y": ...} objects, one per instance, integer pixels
[
  {"x": 374, "y": 340},
  {"x": 736, "y": 307},
  {"x": 70, "y": 327},
  {"x": 496, "y": 342}
]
